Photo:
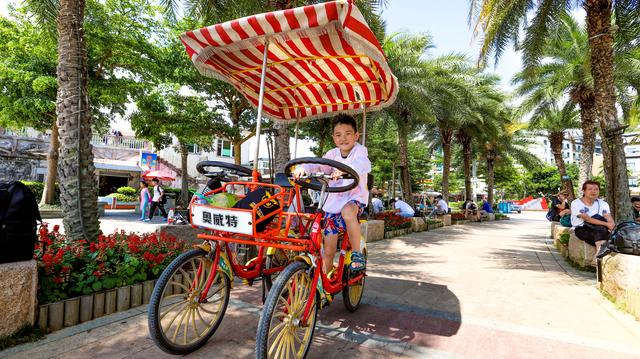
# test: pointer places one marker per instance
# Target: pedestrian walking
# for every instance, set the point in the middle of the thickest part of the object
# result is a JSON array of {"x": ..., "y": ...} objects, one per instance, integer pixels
[
  {"x": 158, "y": 201},
  {"x": 145, "y": 198}
]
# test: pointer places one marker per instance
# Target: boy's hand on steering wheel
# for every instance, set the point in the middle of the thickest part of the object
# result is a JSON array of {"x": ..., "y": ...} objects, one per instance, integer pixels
[
  {"x": 336, "y": 174},
  {"x": 298, "y": 172}
]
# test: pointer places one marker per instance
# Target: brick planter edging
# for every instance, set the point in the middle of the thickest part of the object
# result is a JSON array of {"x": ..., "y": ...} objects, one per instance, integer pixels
[
  {"x": 396, "y": 233},
  {"x": 72, "y": 311}
]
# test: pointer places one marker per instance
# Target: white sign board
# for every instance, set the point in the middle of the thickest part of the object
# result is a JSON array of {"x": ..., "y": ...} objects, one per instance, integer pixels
[{"x": 222, "y": 219}]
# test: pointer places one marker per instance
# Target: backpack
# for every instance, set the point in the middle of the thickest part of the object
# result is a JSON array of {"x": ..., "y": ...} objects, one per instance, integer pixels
[
  {"x": 18, "y": 227},
  {"x": 473, "y": 206},
  {"x": 254, "y": 197},
  {"x": 163, "y": 195},
  {"x": 625, "y": 238}
]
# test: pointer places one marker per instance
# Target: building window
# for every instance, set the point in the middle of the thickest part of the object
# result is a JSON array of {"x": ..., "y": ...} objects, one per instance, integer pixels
[
  {"x": 224, "y": 149},
  {"x": 193, "y": 148}
]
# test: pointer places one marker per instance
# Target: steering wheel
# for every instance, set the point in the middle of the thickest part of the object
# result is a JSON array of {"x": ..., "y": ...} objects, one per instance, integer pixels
[
  {"x": 226, "y": 169},
  {"x": 349, "y": 173}
]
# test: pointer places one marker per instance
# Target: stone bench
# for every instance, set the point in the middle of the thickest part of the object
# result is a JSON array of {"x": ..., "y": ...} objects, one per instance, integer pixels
[
  {"x": 621, "y": 281},
  {"x": 553, "y": 227},
  {"x": 581, "y": 253},
  {"x": 19, "y": 288},
  {"x": 558, "y": 231},
  {"x": 372, "y": 230},
  {"x": 488, "y": 216},
  {"x": 418, "y": 224},
  {"x": 445, "y": 218}
]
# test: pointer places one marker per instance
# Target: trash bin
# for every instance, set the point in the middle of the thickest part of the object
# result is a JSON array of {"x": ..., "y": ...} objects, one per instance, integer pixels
[{"x": 171, "y": 201}]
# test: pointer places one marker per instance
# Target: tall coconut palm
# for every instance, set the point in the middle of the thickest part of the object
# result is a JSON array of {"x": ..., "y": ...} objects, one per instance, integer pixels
[
  {"x": 404, "y": 54},
  {"x": 501, "y": 21},
  {"x": 78, "y": 195}
]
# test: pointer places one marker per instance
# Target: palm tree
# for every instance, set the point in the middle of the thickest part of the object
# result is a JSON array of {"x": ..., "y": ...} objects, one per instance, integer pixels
[
  {"x": 78, "y": 196},
  {"x": 404, "y": 53},
  {"x": 501, "y": 21}
]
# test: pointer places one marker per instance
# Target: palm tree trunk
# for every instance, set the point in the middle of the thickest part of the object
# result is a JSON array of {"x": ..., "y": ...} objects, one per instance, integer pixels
[
  {"x": 465, "y": 141},
  {"x": 403, "y": 152},
  {"x": 555, "y": 141},
  {"x": 184, "y": 167},
  {"x": 588, "y": 120},
  {"x": 491, "y": 157},
  {"x": 49, "y": 192},
  {"x": 602, "y": 66},
  {"x": 281, "y": 146},
  {"x": 447, "y": 135},
  {"x": 78, "y": 195}
]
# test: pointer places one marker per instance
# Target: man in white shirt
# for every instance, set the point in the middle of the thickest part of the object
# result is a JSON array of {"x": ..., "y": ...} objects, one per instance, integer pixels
[
  {"x": 377, "y": 205},
  {"x": 591, "y": 217},
  {"x": 404, "y": 208}
]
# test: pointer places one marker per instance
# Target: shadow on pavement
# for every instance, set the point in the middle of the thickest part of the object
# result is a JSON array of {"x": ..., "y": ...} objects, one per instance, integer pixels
[{"x": 397, "y": 311}]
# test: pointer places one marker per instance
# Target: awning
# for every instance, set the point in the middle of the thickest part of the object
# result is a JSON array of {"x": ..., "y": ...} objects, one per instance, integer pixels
[
  {"x": 115, "y": 165},
  {"x": 321, "y": 59}
]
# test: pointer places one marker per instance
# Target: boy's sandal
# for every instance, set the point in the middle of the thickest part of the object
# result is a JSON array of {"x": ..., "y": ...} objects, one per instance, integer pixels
[{"x": 357, "y": 258}]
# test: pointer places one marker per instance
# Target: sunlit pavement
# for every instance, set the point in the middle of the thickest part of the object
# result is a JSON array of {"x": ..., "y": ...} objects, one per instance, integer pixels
[{"x": 489, "y": 290}]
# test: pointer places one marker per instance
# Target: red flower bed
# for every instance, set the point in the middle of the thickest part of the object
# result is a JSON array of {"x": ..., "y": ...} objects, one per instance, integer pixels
[
  {"x": 392, "y": 221},
  {"x": 71, "y": 268}
]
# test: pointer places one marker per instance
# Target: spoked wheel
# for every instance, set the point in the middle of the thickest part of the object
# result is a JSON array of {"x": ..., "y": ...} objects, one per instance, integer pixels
[
  {"x": 279, "y": 259},
  {"x": 280, "y": 331},
  {"x": 181, "y": 320},
  {"x": 352, "y": 293}
]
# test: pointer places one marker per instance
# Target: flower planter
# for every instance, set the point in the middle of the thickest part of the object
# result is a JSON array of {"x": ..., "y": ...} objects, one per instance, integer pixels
[
  {"x": 110, "y": 298},
  {"x": 123, "y": 298},
  {"x": 69, "y": 312},
  {"x": 136, "y": 295},
  {"x": 396, "y": 233},
  {"x": 147, "y": 289},
  {"x": 460, "y": 221},
  {"x": 86, "y": 308}
]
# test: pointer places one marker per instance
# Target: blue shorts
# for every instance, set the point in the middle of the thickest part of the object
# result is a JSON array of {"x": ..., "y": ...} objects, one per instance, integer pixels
[{"x": 333, "y": 223}]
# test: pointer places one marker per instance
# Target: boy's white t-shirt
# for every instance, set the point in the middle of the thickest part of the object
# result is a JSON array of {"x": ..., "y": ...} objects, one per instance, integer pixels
[
  {"x": 157, "y": 192},
  {"x": 577, "y": 206}
]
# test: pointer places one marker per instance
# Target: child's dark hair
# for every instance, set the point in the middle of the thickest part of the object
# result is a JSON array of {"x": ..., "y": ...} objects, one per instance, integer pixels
[
  {"x": 344, "y": 120},
  {"x": 144, "y": 183}
]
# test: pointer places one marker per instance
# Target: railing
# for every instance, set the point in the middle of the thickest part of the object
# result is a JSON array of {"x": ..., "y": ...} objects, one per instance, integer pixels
[
  {"x": 25, "y": 132},
  {"x": 111, "y": 141}
]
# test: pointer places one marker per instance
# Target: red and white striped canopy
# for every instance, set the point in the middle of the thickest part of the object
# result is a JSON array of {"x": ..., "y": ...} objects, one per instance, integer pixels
[{"x": 321, "y": 59}]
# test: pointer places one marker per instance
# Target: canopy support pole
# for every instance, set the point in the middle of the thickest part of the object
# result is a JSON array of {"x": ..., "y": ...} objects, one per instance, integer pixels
[
  {"x": 295, "y": 148},
  {"x": 364, "y": 124},
  {"x": 263, "y": 76}
]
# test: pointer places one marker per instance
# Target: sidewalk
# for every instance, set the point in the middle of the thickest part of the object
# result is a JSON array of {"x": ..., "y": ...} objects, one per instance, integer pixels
[{"x": 489, "y": 290}]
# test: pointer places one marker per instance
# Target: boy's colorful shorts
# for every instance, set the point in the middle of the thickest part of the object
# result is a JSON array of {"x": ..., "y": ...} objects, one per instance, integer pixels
[{"x": 333, "y": 223}]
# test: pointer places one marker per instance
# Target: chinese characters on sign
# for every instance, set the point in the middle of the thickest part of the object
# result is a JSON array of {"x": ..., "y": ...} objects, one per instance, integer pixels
[{"x": 219, "y": 219}]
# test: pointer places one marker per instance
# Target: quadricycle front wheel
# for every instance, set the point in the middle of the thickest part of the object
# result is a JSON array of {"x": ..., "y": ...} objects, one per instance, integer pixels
[
  {"x": 181, "y": 316},
  {"x": 281, "y": 331}
]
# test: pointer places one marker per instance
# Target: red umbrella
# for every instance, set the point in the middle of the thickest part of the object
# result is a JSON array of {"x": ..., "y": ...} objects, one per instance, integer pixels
[{"x": 163, "y": 176}]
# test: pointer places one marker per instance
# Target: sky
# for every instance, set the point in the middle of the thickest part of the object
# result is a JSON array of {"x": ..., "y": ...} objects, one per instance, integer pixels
[{"x": 446, "y": 22}]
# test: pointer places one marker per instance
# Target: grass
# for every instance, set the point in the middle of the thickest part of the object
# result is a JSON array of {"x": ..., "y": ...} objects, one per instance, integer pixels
[
  {"x": 26, "y": 334},
  {"x": 50, "y": 207}
]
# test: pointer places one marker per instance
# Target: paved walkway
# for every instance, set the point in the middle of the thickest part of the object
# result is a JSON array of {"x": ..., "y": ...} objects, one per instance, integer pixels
[{"x": 490, "y": 290}]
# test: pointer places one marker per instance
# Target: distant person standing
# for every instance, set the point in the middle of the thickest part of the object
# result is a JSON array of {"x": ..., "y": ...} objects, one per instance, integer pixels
[
  {"x": 158, "y": 200},
  {"x": 145, "y": 198}
]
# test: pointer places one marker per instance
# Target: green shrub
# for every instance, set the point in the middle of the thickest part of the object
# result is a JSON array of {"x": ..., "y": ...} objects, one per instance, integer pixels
[
  {"x": 38, "y": 187},
  {"x": 127, "y": 191},
  {"x": 123, "y": 198},
  {"x": 564, "y": 239}
]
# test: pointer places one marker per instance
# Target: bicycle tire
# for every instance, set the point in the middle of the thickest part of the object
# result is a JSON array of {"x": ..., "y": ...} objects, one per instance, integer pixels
[
  {"x": 280, "y": 290},
  {"x": 352, "y": 294},
  {"x": 156, "y": 330}
]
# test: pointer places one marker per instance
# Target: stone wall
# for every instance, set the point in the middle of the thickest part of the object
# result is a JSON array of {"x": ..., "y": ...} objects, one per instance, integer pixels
[
  {"x": 20, "y": 158},
  {"x": 18, "y": 285},
  {"x": 581, "y": 253}
]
